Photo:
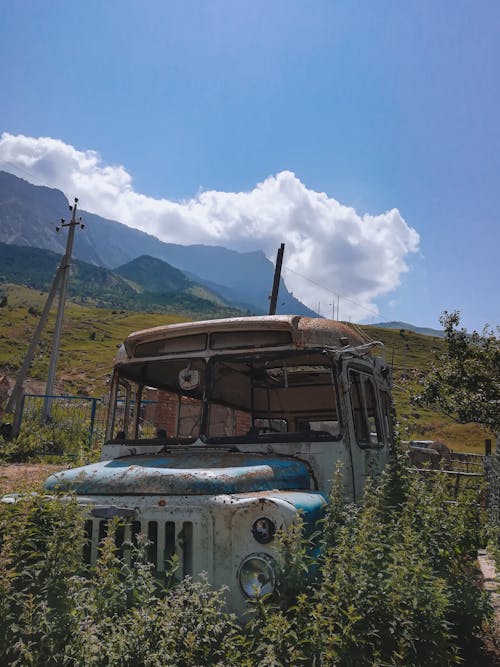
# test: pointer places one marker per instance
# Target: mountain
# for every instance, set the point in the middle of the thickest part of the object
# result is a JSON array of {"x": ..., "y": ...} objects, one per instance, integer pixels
[
  {"x": 153, "y": 275},
  {"x": 145, "y": 283},
  {"x": 29, "y": 213},
  {"x": 426, "y": 331}
]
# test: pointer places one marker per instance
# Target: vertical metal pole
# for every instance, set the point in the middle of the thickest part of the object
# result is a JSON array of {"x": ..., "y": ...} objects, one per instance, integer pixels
[
  {"x": 276, "y": 281},
  {"x": 65, "y": 266},
  {"x": 92, "y": 421}
]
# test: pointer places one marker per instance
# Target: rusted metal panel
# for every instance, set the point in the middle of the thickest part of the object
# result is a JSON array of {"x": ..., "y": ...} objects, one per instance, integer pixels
[
  {"x": 228, "y": 324},
  {"x": 305, "y": 331},
  {"x": 194, "y": 473}
]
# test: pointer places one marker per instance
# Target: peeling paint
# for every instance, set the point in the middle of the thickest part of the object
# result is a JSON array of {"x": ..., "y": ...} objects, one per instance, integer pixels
[{"x": 184, "y": 474}]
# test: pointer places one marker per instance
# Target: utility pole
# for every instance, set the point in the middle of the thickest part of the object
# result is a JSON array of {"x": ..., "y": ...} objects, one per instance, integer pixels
[
  {"x": 64, "y": 271},
  {"x": 276, "y": 282},
  {"x": 15, "y": 399},
  {"x": 17, "y": 393}
]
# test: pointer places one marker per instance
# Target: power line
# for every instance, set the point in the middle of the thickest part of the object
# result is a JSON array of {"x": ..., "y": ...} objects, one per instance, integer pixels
[{"x": 328, "y": 289}]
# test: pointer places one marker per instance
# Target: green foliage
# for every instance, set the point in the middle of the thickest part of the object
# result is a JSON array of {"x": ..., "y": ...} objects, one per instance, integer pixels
[
  {"x": 395, "y": 584},
  {"x": 57, "y": 440},
  {"x": 464, "y": 382},
  {"x": 55, "y": 611},
  {"x": 40, "y": 553}
]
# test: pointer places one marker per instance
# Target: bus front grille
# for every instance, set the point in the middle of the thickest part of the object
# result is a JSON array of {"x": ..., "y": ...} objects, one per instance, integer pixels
[{"x": 187, "y": 541}]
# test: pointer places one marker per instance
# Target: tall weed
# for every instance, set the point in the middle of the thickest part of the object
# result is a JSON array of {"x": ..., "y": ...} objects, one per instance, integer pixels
[{"x": 390, "y": 582}]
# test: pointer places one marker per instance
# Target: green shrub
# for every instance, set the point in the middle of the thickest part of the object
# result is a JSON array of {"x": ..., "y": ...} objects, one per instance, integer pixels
[
  {"x": 59, "y": 440},
  {"x": 394, "y": 584},
  {"x": 397, "y": 583}
]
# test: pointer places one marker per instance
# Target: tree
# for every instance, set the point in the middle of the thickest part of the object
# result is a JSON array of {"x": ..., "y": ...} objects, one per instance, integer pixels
[{"x": 464, "y": 381}]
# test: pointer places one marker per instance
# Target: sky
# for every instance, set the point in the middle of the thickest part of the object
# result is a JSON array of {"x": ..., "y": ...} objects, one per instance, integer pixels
[{"x": 364, "y": 134}]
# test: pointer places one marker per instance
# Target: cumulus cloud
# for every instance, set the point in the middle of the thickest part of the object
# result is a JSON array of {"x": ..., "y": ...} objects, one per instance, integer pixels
[{"x": 340, "y": 251}]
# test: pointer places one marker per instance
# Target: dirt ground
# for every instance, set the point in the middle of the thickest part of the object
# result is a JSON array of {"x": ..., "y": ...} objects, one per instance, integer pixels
[{"x": 19, "y": 476}]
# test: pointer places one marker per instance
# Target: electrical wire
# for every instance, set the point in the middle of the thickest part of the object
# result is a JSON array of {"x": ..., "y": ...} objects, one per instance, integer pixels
[{"x": 328, "y": 289}]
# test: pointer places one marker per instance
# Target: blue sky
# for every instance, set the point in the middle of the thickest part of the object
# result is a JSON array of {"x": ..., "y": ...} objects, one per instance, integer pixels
[{"x": 381, "y": 105}]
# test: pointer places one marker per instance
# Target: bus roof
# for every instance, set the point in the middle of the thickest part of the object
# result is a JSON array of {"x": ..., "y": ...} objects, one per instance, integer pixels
[{"x": 304, "y": 331}]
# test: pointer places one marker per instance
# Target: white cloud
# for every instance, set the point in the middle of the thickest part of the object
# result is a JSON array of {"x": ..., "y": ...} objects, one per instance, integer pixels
[{"x": 358, "y": 256}]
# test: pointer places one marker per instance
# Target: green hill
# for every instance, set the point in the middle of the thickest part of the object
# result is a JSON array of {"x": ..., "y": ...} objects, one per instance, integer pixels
[
  {"x": 154, "y": 275},
  {"x": 91, "y": 337},
  {"x": 143, "y": 284}
]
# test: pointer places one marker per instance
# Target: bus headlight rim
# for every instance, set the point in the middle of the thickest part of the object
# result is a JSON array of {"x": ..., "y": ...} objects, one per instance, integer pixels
[{"x": 256, "y": 575}]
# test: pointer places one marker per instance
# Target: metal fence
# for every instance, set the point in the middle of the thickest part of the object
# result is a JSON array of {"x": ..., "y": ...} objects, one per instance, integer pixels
[
  {"x": 461, "y": 470},
  {"x": 72, "y": 425},
  {"x": 493, "y": 477},
  {"x": 64, "y": 425}
]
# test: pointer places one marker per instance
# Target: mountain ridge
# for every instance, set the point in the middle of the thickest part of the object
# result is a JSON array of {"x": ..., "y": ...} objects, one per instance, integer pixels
[
  {"x": 147, "y": 289},
  {"x": 27, "y": 212},
  {"x": 405, "y": 326}
]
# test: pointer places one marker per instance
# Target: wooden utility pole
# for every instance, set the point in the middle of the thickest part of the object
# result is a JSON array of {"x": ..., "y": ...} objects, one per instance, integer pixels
[
  {"x": 64, "y": 269},
  {"x": 60, "y": 283},
  {"x": 276, "y": 282}
]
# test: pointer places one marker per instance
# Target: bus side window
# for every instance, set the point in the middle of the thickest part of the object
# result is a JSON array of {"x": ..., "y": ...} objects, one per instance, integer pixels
[
  {"x": 365, "y": 413},
  {"x": 357, "y": 407},
  {"x": 374, "y": 430}
]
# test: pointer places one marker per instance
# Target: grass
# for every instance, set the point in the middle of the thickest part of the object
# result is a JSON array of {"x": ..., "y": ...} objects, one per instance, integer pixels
[
  {"x": 91, "y": 337},
  {"x": 89, "y": 343}
]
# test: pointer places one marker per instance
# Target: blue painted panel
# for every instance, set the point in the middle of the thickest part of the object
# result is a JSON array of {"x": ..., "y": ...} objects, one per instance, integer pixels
[
  {"x": 192, "y": 473},
  {"x": 311, "y": 505}
]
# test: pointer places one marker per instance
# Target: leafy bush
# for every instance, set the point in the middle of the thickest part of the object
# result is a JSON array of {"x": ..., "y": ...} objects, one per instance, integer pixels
[
  {"x": 56, "y": 439},
  {"x": 397, "y": 584},
  {"x": 394, "y": 584}
]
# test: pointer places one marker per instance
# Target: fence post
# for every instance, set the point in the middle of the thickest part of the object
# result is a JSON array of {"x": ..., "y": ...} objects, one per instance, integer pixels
[{"x": 92, "y": 421}]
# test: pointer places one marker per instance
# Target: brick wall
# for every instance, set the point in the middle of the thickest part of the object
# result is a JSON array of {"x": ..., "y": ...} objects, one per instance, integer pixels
[{"x": 165, "y": 414}]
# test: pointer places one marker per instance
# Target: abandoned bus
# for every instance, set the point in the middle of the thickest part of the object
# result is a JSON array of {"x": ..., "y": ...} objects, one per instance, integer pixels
[{"x": 221, "y": 432}]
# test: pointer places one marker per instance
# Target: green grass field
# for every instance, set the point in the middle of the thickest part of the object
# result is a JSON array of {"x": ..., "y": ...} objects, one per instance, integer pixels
[{"x": 91, "y": 337}]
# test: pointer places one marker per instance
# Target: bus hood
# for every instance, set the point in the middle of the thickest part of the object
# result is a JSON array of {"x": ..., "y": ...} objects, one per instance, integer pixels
[{"x": 184, "y": 473}]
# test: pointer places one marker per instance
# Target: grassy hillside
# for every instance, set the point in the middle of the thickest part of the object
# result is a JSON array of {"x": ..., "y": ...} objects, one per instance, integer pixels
[
  {"x": 92, "y": 335},
  {"x": 89, "y": 344},
  {"x": 144, "y": 284}
]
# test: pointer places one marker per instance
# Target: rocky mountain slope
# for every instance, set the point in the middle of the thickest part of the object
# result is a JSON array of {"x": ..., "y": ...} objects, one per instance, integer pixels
[{"x": 29, "y": 214}]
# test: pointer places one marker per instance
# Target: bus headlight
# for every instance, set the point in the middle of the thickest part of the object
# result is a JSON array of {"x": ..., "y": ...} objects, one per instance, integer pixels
[{"x": 256, "y": 575}]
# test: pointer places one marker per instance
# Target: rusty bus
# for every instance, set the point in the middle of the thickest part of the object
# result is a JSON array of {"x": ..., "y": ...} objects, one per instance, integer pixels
[{"x": 220, "y": 432}]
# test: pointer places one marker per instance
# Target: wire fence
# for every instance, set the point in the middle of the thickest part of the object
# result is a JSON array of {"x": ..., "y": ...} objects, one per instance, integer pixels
[
  {"x": 492, "y": 473},
  {"x": 65, "y": 425},
  {"x": 72, "y": 425}
]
